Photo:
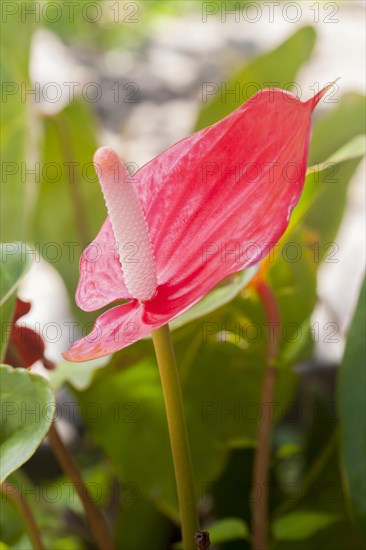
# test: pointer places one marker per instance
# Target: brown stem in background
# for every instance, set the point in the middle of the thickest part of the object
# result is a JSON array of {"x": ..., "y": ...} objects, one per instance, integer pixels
[
  {"x": 22, "y": 507},
  {"x": 262, "y": 454},
  {"x": 95, "y": 519}
]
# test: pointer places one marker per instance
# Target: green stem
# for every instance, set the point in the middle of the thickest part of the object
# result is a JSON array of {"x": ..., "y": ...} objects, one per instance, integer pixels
[
  {"x": 96, "y": 521},
  {"x": 25, "y": 512},
  {"x": 178, "y": 434}
]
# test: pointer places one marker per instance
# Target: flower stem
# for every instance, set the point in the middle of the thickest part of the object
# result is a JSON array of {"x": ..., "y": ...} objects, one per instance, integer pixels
[
  {"x": 262, "y": 454},
  {"x": 178, "y": 434},
  {"x": 25, "y": 512},
  {"x": 96, "y": 521}
]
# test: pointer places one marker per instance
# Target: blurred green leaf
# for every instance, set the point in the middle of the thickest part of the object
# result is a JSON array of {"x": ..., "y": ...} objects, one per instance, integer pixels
[
  {"x": 331, "y": 198},
  {"x": 227, "y": 408},
  {"x": 276, "y": 68},
  {"x": 292, "y": 276},
  {"x": 16, "y": 122},
  {"x": 326, "y": 191},
  {"x": 327, "y": 181},
  {"x": 67, "y": 543},
  {"x": 288, "y": 450},
  {"x": 220, "y": 414},
  {"x": 75, "y": 23},
  {"x": 70, "y": 208},
  {"x": 28, "y": 406},
  {"x": 103, "y": 25},
  {"x": 337, "y": 127},
  {"x": 352, "y": 406},
  {"x": 355, "y": 148},
  {"x": 11, "y": 525},
  {"x": 79, "y": 375},
  {"x": 319, "y": 180},
  {"x": 228, "y": 529},
  {"x": 157, "y": 530},
  {"x": 52, "y": 515},
  {"x": 302, "y": 525},
  {"x": 14, "y": 265},
  {"x": 12, "y": 528},
  {"x": 132, "y": 419}
]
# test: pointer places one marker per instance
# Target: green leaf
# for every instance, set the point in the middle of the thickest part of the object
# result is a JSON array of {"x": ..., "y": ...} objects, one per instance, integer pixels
[
  {"x": 292, "y": 275},
  {"x": 337, "y": 144},
  {"x": 27, "y": 410},
  {"x": 355, "y": 148},
  {"x": 67, "y": 543},
  {"x": 352, "y": 406},
  {"x": 334, "y": 136},
  {"x": 16, "y": 122},
  {"x": 337, "y": 127},
  {"x": 13, "y": 266},
  {"x": 302, "y": 525},
  {"x": 129, "y": 415},
  {"x": 225, "y": 530},
  {"x": 11, "y": 525},
  {"x": 218, "y": 297},
  {"x": 319, "y": 179},
  {"x": 276, "y": 68},
  {"x": 79, "y": 375},
  {"x": 325, "y": 190},
  {"x": 157, "y": 531},
  {"x": 68, "y": 179},
  {"x": 12, "y": 528},
  {"x": 331, "y": 197}
]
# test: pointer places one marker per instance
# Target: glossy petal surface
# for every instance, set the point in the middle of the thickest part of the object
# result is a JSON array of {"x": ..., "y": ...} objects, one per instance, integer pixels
[
  {"x": 113, "y": 330},
  {"x": 215, "y": 203},
  {"x": 101, "y": 280}
]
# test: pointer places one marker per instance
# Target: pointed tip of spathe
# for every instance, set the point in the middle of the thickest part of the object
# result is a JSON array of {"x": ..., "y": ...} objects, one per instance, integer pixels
[{"x": 313, "y": 102}]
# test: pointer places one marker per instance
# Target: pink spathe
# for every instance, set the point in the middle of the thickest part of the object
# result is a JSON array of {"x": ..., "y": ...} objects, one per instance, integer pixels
[{"x": 209, "y": 206}]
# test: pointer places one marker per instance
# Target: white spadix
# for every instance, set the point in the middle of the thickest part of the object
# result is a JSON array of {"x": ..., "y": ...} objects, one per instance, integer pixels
[{"x": 129, "y": 225}]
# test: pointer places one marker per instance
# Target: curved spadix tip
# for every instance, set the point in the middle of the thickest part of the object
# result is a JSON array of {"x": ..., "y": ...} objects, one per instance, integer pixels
[{"x": 105, "y": 155}]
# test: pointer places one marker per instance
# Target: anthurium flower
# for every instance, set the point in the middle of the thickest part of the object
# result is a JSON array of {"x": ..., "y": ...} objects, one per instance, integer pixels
[
  {"x": 25, "y": 346},
  {"x": 209, "y": 206}
]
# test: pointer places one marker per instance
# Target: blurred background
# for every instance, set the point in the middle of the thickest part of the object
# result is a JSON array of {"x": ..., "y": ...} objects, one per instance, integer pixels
[{"x": 139, "y": 76}]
